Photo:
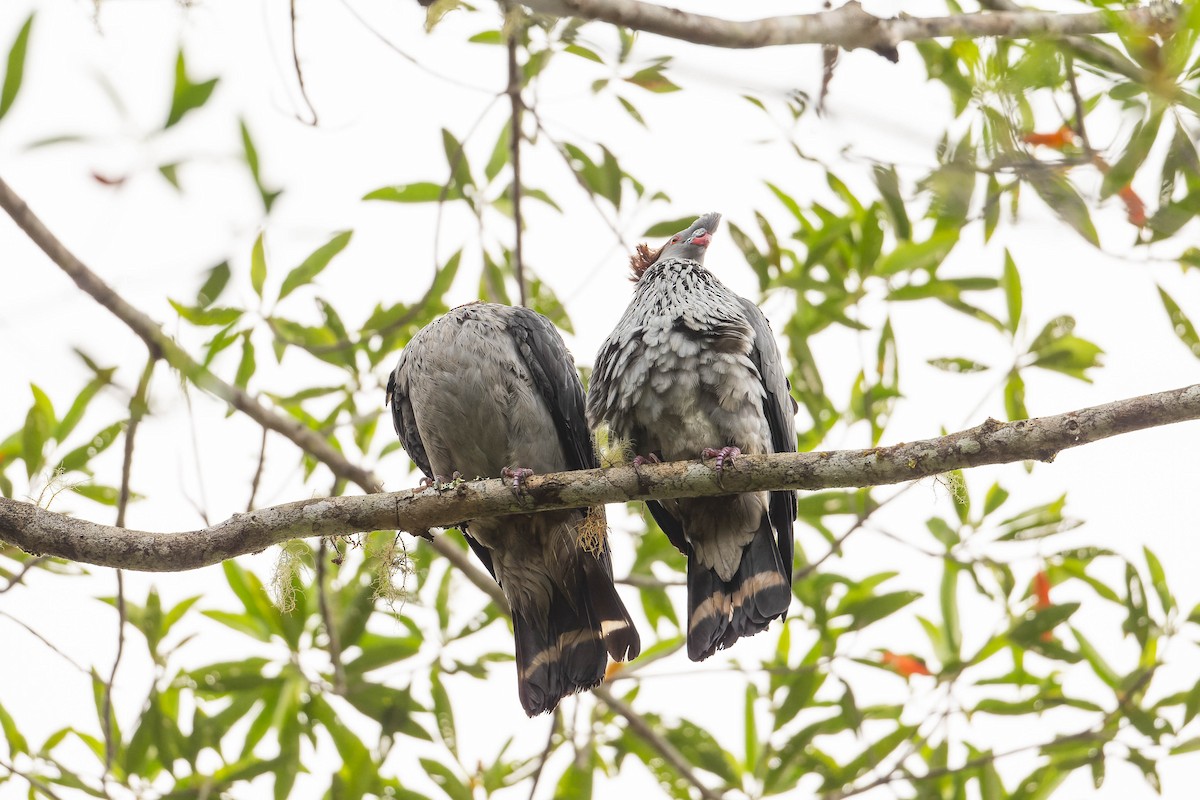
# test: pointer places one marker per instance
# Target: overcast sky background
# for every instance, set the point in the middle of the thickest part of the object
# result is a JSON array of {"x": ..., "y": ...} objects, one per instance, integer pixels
[{"x": 379, "y": 125}]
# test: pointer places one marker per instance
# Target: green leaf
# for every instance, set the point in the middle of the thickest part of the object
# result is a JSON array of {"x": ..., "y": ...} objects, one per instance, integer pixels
[
  {"x": 1122, "y": 172},
  {"x": 443, "y": 712},
  {"x": 105, "y": 495},
  {"x": 888, "y": 183},
  {"x": 16, "y": 742},
  {"x": 872, "y": 609},
  {"x": 751, "y": 726},
  {"x": 701, "y": 749},
  {"x": 668, "y": 227},
  {"x": 444, "y": 777},
  {"x": 317, "y": 260},
  {"x": 1012, "y": 291},
  {"x": 78, "y": 458},
  {"x": 1028, "y": 631},
  {"x": 187, "y": 95},
  {"x": 75, "y": 413},
  {"x": 632, "y": 111},
  {"x": 421, "y": 192},
  {"x": 1158, "y": 578},
  {"x": 250, "y": 153},
  {"x": 246, "y": 365},
  {"x": 15, "y": 71},
  {"x": 583, "y": 52},
  {"x": 39, "y": 422},
  {"x": 1058, "y": 193},
  {"x": 226, "y": 677},
  {"x": 456, "y": 158},
  {"x": 652, "y": 79},
  {"x": 960, "y": 365},
  {"x": 1070, "y": 355},
  {"x": 206, "y": 316},
  {"x": 258, "y": 266},
  {"x": 1014, "y": 397},
  {"x": 576, "y": 782},
  {"x": 1182, "y": 326},
  {"x": 501, "y": 153},
  {"x": 214, "y": 284},
  {"x": 991, "y": 208},
  {"x": 949, "y": 600},
  {"x": 379, "y": 651},
  {"x": 1099, "y": 666},
  {"x": 910, "y": 256}
]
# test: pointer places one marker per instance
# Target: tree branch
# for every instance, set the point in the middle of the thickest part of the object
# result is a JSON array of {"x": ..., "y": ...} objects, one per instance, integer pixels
[
  {"x": 849, "y": 26},
  {"x": 164, "y": 346},
  {"x": 38, "y": 531}
]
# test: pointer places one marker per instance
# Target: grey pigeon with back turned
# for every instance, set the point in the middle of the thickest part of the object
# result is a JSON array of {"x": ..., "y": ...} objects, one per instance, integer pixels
[
  {"x": 693, "y": 370},
  {"x": 490, "y": 390}
]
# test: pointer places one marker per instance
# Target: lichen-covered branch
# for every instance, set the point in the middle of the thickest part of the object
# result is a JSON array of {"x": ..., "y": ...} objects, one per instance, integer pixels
[
  {"x": 849, "y": 26},
  {"x": 38, "y": 531}
]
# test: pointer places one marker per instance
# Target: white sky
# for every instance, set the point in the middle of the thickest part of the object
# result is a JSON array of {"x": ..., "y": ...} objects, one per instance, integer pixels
[{"x": 380, "y": 120}]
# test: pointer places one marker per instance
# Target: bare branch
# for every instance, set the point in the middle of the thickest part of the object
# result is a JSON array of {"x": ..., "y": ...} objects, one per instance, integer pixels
[
  {"x": 514, "y": 95},
  {"x": 38, "y": 531},
  {"x": 851, "y": 27},
  {"x": 300, "y": 72}
]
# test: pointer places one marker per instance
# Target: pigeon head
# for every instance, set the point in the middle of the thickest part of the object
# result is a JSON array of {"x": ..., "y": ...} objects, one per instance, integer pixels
[{"x": 691, "y": 243}]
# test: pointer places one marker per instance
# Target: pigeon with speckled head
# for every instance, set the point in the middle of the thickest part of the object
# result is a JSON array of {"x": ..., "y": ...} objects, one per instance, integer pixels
[{"x": 692, "y": 369}]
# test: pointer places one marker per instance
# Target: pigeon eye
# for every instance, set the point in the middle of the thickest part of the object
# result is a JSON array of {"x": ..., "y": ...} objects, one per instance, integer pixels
[{"x": 675, "y": 239}]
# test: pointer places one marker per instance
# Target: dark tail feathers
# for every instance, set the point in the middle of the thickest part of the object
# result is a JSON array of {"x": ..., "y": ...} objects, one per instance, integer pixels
[
  {"x": 721, "y": 612},
  {"x": 568, "y": 652}
]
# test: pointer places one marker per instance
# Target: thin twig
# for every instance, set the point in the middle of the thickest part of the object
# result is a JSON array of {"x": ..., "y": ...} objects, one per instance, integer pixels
[
  {"x": 1077, "y": 99},
  {"x": 639, "y": 725},
  {"x": 30, "y": 564},
  {"x": 439, "y": 74},
  {"x": 514, "y": 94},
  {"x": 32, "y": 781},
  {"x": 300, "y": 73},
  {"x": 566, "y": 157},
  {"x": 555, "y": 724},
  {"x": 48, "y": 643},
  {"x": 262, "y": 460},
  {"x": 138, "y": 406},
  {"x": 331, "y": 630}
]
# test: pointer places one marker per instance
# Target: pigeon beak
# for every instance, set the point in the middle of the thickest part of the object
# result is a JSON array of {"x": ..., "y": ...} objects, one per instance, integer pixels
[{"x": 703, "y": 240}]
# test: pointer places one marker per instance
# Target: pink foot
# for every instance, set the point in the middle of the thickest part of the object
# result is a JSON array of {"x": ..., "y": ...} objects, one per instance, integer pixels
[
  {"x": 641, "y": 461},
  {"x": 725, "y": 454},
  {"x": 517, "y": 476}
]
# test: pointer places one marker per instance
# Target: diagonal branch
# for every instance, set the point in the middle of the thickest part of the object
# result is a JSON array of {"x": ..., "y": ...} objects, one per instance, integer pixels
[
  {"x": 850, "y": 27},
  {"x": 164, "y": 346},
  {"x": 38, "y": 531}
]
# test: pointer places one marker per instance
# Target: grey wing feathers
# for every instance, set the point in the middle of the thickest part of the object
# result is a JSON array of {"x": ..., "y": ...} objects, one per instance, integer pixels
[
  {"x": 779, "y": 408},
  {"x": 405, "y": 422},
  {"x": 554, "y": 374}
]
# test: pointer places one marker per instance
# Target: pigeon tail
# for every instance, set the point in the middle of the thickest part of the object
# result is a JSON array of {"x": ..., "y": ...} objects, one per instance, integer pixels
[
  {"x": 721, "y": 612},
  {"x": 567, "y": 650}
]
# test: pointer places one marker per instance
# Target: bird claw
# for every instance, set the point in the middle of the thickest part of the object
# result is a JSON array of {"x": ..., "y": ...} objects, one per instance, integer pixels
[
  {"x": 438, "y": 480},
  {"x": 723, "y": 455},
  {"x": 517, "y": 476},
  {"x": 641, "y": 461}
]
